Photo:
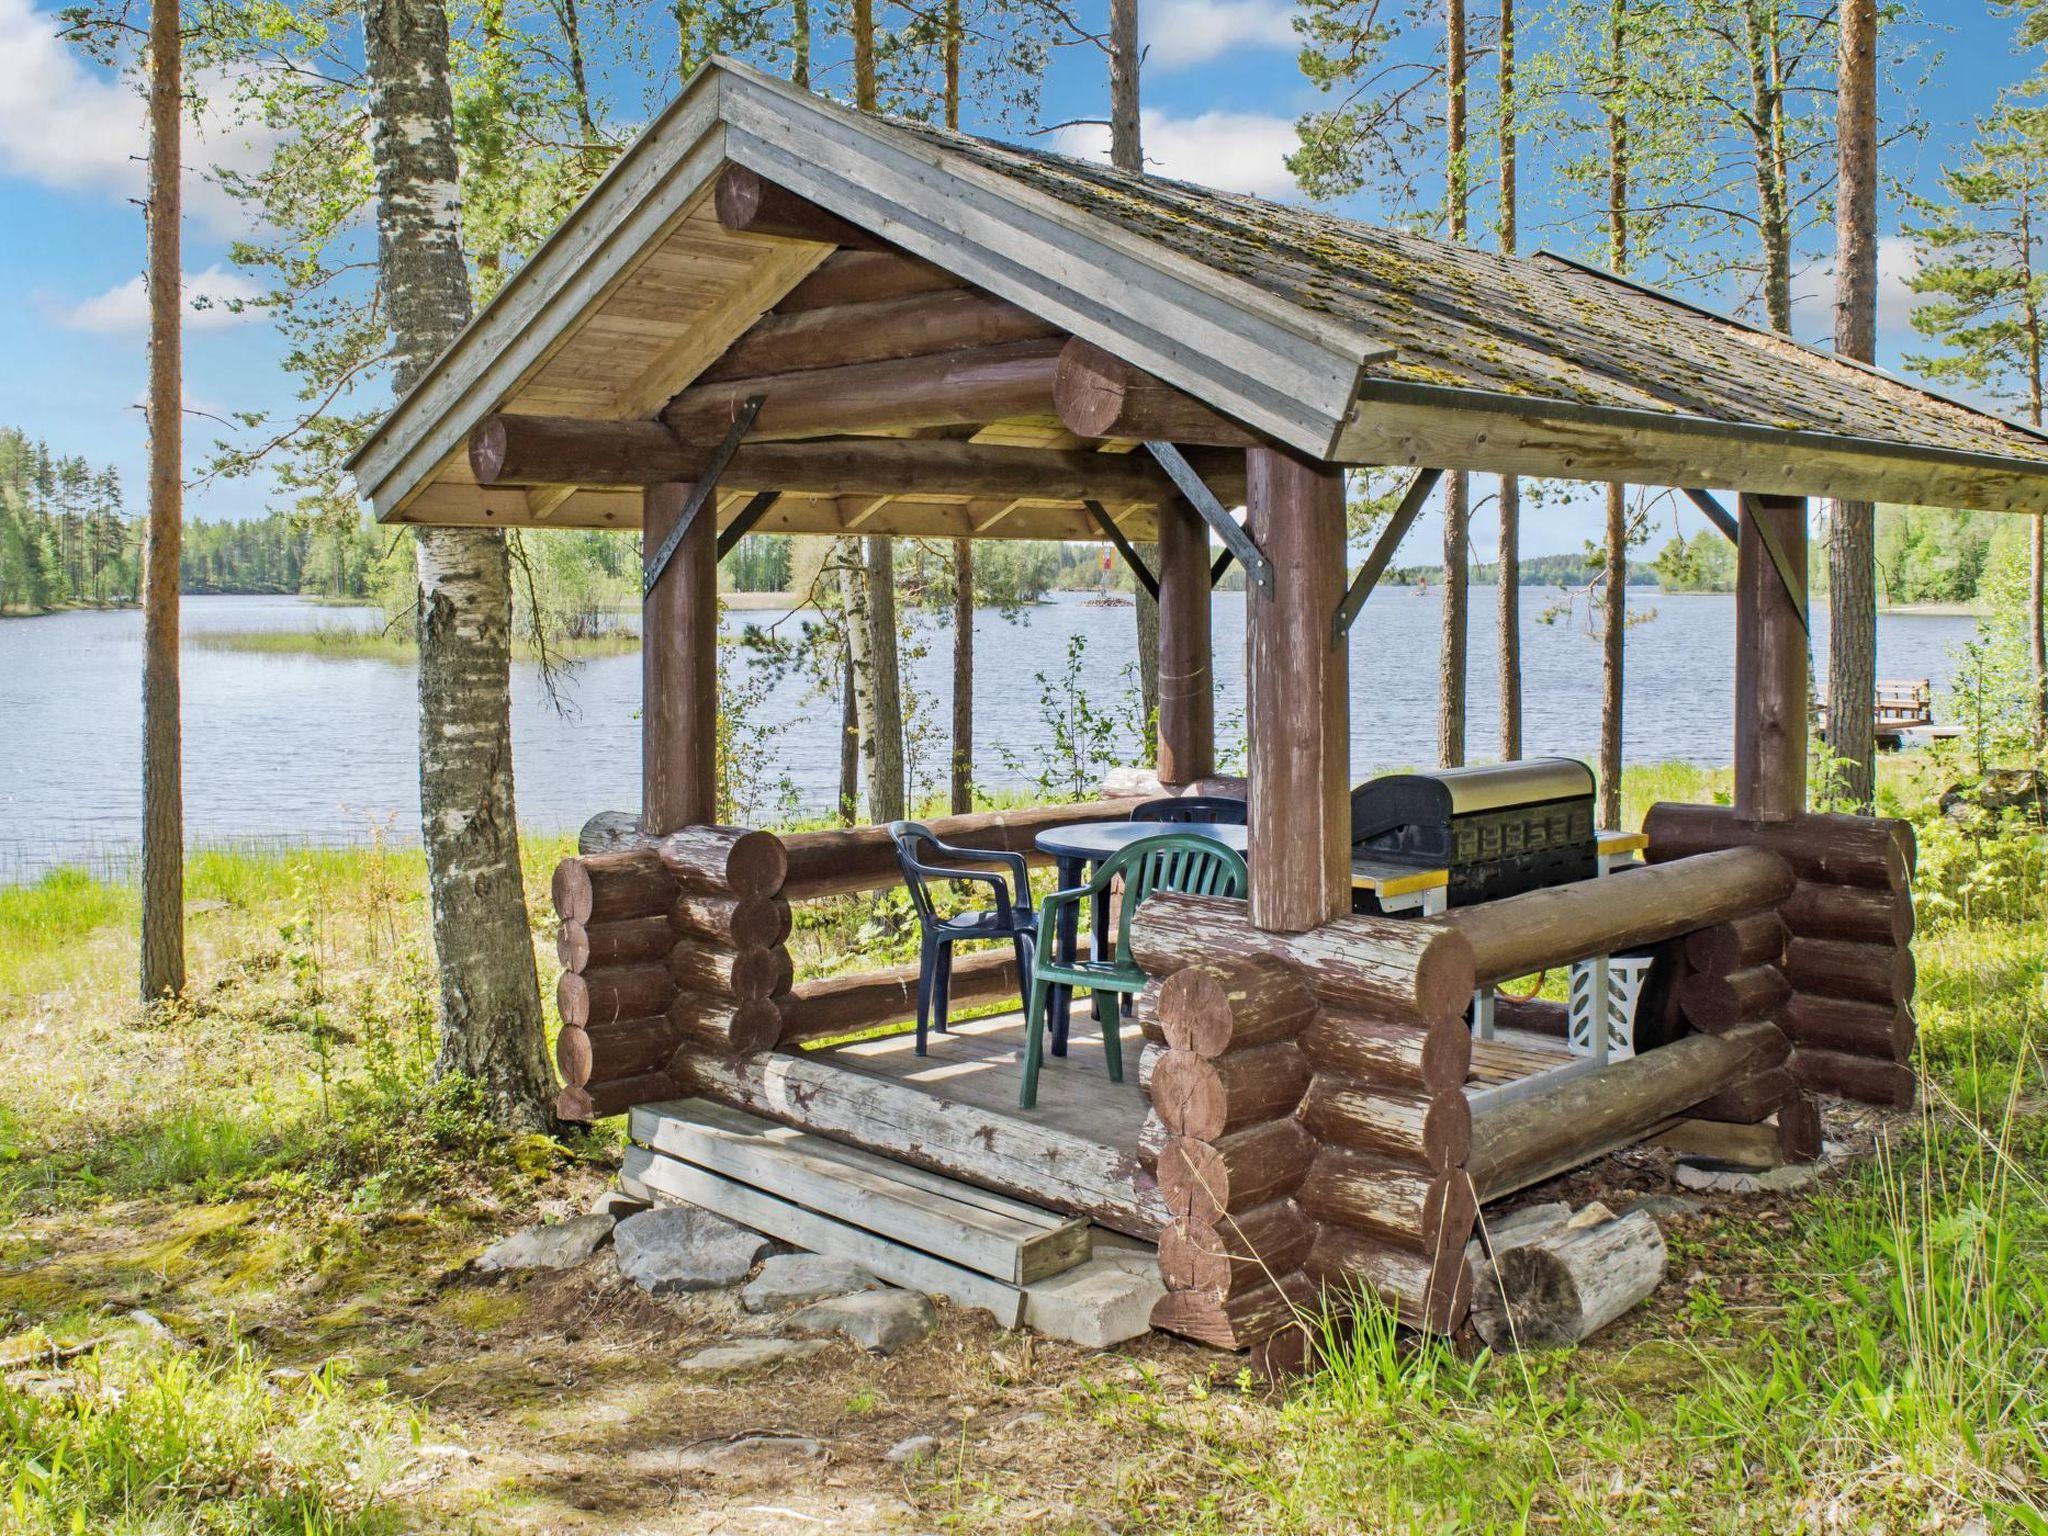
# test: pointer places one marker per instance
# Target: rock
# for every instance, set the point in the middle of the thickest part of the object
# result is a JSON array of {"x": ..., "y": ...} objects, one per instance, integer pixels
[
  {"x": 680, "y": 1248},
  {"x": 737, "y": 1357},
  {"x": 617, "y": 1204},
  {"x": 916, "y": 1448},
  {"x": 1724, "y": 1178},
  {"x": 797, "y": 1279},
  {"x": 883, "y": 1321},
  {"x": 1105, "y": 1301},
  {"x": 551, "y": 1245},
  {"x": 756, "y": 1456},
  {"x": 1665, "y": 1206},
  {"x": 2000, "y": 790}
]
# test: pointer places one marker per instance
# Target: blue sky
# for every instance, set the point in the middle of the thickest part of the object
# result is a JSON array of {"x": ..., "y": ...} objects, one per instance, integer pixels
[{"x": 1222, "y": 93}]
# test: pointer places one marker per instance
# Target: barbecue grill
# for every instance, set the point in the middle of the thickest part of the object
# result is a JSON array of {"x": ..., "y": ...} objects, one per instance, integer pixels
[{"x": 1499, "y": 829}]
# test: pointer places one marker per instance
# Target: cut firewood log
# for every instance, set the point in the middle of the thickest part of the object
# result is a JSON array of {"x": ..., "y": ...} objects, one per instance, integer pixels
[{"x": 1568, "y": 1284}]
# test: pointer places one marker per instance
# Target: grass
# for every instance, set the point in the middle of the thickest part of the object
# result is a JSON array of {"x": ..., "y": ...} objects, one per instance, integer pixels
[
  {"x": 232, "y": 1294},
  {"x": 342, "y": 642}
]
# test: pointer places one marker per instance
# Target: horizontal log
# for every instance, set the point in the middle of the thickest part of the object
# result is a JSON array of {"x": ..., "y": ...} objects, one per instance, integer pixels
[
  {"x": 1216, "y": 1006},
  {"x": 1538, "y": 1015},
  {"x": 748, "y": 203},
  {"x": 1871, "y": 914},
  {"x": 1717, "y": 1002},
  {"x": 1755, "y": 1098},
  {"x": 1844, "y": 1024},
  {"x": 746, "y": 974},
  {"x": 753, "y": 923},
  {"x": 629, "y": 455},
  {"x": 967, "y": 388},
  {"x": 1828, "y": 848},
  {"x": 1152, "y": 1139},
  {"x": 1415, "y": 968},
  {"x": 1430, "y": 1129},
  {"x": 607, "y": 1052},
  {"x": 1527, "y": 1140},
  {"x": 628, "y": 941},
  {"x": 1755, "y": 939},
  {"x": 1425, "y": 1290},
  {"x": 995, "y": 1148},
  {"x": 1201, "y": 1181},
  {"x": 613, "y": 832},
  {"x": 1097, "y": 394},
  {"x": 1436, "y": 1056},
  {"x": 864, "y": 277},
  {"x": 706, "y": 1021},
  {"x": 843, "y": 860},
  {"x": 1205, "y": 1097},
  {"x": 1871, "y": 973},
  {"x": 913, "y": 325},
  {"x": 848, "y": 1005},
  {"x": 608, "y": 887},
  {"x": 594, "y": 1101},
  {"x": 1237, "y": 1321},
  {"x": 616, "y": 992},
  {"x": 1569, "y": 1284},
  {"x": 1867, "y": 1079},
  {"x": 1518, "y": 935},
  {"x": 724, "y": 861},
  {"x": 1393, "y": 1202},
  {"x": 1238, "y": 1253}
]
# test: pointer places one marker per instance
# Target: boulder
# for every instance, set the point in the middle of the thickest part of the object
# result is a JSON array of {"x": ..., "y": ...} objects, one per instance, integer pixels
[
  {"x": 680, "y": 1248},
  {"x": 551, "y": 1245},
  {"x": 738, "y": 1357},
  {"x": 882, "y": 1321},
  {"x": 798, "y": 1279}
]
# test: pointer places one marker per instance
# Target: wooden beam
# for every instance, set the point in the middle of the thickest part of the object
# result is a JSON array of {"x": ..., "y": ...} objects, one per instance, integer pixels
[
  {"x": 1187, "y": 693},
  {"x": 917, "y": 325},
  {"x": 1097, "y": 394},
  {"x": 1368, "y": 577},
  {"x": 951, "y": 389},
  {"x": 679, "y": 672},
  {"x": 1771, "y": 662},
  {"x": 1208, "y": 504},
  {"x": 1716, "y": 514},
  {"x": 1299, "y": 714},
  {"x": 864, "y": 277},
  {"x": 749, "y": 204}
]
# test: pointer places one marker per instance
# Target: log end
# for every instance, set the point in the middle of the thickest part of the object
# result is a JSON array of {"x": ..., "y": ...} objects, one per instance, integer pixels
[
  {"x": 572, "y": 892},
  {"x": 487, "y": 450},
  {"x": 1088, "y": 389},
  {"x": 573, "y": 1056},
  {"x": 572, "y": 946},
  {"x": 1446, "y": 972},
  {"x": 757, "y": 865}
]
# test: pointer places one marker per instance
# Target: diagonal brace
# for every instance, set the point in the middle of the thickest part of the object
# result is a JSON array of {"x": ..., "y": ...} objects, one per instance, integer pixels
[
  {"x": 743, "y": 524},
  {"x": 1716, "y": 514},
  {"x": 1795, "y": 585},
  {"x": 1403, "y": 518},
  {"x": 1204, "y": 501},
  {"x": 701, "y": 492},
  {"x": 1132, "y": 558},
  {"x": 1219, "y": 566}
]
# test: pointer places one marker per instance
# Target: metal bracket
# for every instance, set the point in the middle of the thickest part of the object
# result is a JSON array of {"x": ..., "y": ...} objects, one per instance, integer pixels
[
  {"x": 1222, "y": 564},
  {"x": 1210, "y": 510},
  {"x": 1115, "y": 535},
  {"x": 701, "y": 492},
  {"x": 756, "y": 508},
  {"x": 1402, "y": 519},
  {"x": 1717, "y": 514}
]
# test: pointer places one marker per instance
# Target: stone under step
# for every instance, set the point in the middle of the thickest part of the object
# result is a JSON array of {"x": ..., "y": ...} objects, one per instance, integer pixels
[{"x": 906, "y": 1225}]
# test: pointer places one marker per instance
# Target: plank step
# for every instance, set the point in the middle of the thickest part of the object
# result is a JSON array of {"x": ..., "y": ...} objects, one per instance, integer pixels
[{"x": 1005, "y": 1239}]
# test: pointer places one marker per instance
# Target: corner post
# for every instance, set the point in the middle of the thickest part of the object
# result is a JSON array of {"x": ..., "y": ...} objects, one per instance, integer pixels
[
  {"x": 1771, "y": 659},
  {"x": 1299, "y": 708},
  {"x": 1187, "y": 695},
  {"x": 679, "y": 670}
]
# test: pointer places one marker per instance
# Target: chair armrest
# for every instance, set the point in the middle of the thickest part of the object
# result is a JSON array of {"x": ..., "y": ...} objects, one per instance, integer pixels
[
  {"x": 993, "y": 881},
  {"x": 1020, "y": 872}
]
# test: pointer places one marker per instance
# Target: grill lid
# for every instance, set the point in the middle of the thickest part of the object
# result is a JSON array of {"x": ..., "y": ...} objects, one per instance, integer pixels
[{"x": 1403, "y": 799}]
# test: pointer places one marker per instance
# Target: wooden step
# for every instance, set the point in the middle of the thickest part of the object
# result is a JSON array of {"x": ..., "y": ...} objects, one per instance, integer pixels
[{"x": 994, "y": 1235}]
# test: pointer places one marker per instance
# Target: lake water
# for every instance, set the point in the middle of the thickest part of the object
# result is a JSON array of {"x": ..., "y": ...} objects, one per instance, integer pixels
[{"x": 306, "y": 748}]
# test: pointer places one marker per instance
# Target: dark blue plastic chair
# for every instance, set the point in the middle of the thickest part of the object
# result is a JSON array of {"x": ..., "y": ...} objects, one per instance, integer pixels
[
  {"x": 1012, "y": 918},
  {"x": 1179, "y": 810}
]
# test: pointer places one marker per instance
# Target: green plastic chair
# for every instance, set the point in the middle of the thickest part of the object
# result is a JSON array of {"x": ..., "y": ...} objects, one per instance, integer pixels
[{"x": 1185, "y": 862}]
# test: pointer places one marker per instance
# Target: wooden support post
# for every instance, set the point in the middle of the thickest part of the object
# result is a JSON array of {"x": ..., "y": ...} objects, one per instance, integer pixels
[
  {"x": 1299, "y": 713},
  {"x": 679, "y": 671},
  {"x": 1771, "y": 660},
  {"x": 1187, "y": 695}
]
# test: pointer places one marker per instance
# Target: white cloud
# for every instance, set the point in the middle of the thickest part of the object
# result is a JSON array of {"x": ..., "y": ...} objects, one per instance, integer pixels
[
  {"x": 68, "y": 125},
  {"x": 124, "y": 308},
  {"x": 1183, "y": 32},
  {"x": 1813, "y": 292},
  {"x": 1231, "y": 151}
]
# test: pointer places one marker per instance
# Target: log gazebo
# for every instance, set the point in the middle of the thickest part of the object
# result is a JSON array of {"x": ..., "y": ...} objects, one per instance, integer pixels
[{"x": 775, "y": 314}]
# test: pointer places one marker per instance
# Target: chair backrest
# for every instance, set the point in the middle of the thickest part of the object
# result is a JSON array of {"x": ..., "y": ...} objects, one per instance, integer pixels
[
  {"x": 906, "y": 835},
  {"x": 1182, "y": 809},
  {"x": 1186, "y": 862}
]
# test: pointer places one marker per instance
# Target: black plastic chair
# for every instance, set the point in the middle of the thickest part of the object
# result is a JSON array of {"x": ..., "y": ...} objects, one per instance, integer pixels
[
  {"x": 1011, "y": 918},
  {"x": 1178, "y": 810}
]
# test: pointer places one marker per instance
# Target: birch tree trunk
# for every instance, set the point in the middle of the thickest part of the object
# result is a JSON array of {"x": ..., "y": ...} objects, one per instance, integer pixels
[
  {"x": 163, "y": 795},
  {"x": 1452, "y": 656},
  {"x": 490, "y": 1017},
  {"x": 1852, "y": 536},
  {"x": 860, "y": 671},
  {"x": 1509, "y": 575},
  {"x": 885, "y": 744},
  {"x": 961, "y": 797}
]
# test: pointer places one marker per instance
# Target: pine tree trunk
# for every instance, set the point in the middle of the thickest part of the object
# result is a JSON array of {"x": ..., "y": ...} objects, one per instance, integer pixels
[
  {"x": 490, "y": 998},
  {"x": 163, "y": 796},
  {"x": 1509, "y": 576},
  {"x": 1613, "y": 645},
  {"x": 1452, "y": 656},
  {"x": 1127, "y": 153},
  {"x": 962, "y": 797},
  {"x": 1852, "y": 535},
  {"x": 885, "y": 755},
  {"x": 849, "y": 738}
]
